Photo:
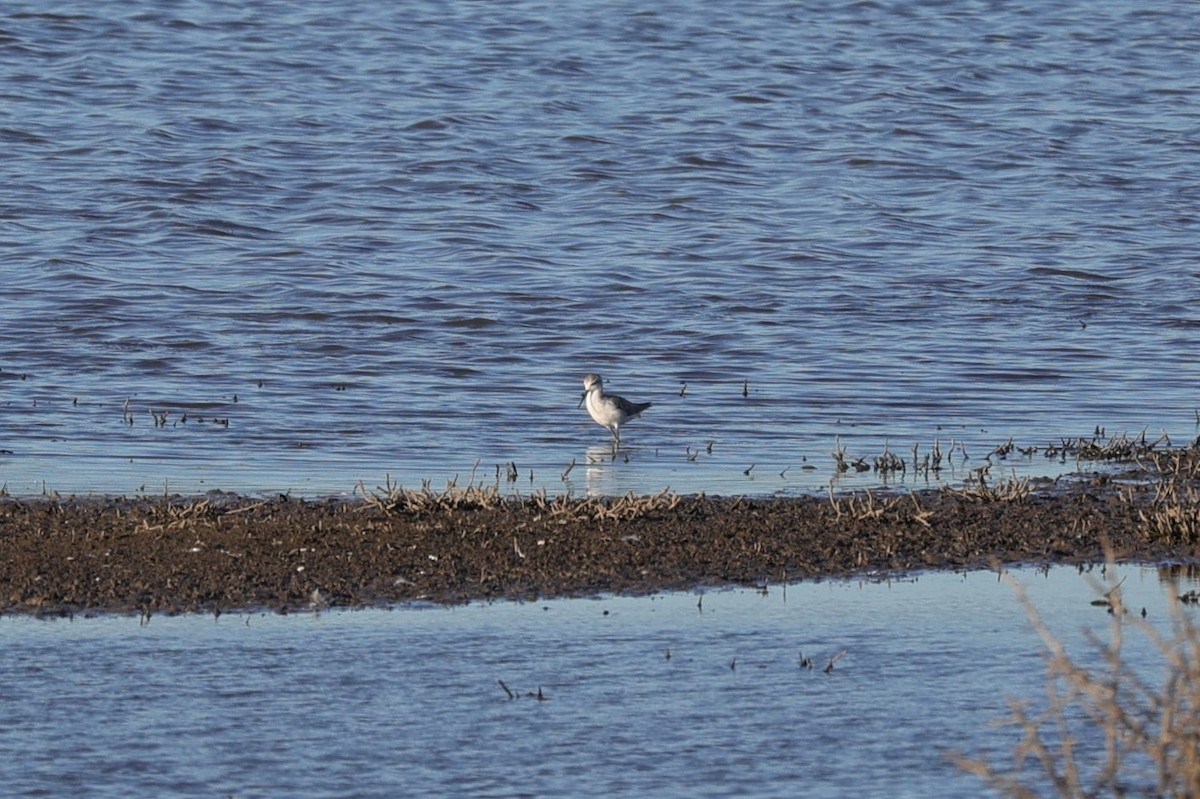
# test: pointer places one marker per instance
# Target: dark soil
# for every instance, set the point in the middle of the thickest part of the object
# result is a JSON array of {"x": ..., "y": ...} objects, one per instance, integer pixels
[{"x": 214, "y": 554}]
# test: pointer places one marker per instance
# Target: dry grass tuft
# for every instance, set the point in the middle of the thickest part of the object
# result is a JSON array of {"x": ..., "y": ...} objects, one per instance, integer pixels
[
  {"x": 1178, "y": 464},
  {"x": 1174, "y": 522},
  {"x": 1107, "y": 730},
  {"x": 1099, "y": 448},
  {"x": 979, "y": 490},
  {"x": 394, "y": 499},
  {"x": 865, "y": 505},
  {"x": 176, "y": 516}
]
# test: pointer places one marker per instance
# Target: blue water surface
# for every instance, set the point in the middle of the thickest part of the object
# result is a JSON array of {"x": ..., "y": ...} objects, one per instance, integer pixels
[
  {"x": 677, "y": 695},
  {"x": 290, "y": 246}
]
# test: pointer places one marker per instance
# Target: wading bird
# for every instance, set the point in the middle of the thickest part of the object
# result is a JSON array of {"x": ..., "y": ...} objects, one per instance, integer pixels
[{"x": 608, "y": 409}]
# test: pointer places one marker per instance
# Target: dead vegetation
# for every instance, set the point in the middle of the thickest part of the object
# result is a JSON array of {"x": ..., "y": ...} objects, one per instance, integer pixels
[
  {"x": 1154, "y": 455},
  {"x": 978, "y": 489},
  {"x": 392, "y": 499},
  {"x": 1175, "y": 523},
  {"x": 1113, "y": 723}
]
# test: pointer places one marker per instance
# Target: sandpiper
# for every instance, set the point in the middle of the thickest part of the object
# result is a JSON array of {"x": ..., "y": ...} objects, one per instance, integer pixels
[{"x": 608, "y": 409}]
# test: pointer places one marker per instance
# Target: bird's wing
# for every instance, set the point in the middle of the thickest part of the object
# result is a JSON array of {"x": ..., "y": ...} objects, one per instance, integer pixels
[{"x": 631, "y": 408}]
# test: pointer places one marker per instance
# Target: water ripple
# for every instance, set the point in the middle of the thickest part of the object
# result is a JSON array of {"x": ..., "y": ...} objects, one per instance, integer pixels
[{"x": 391, "y": 230}]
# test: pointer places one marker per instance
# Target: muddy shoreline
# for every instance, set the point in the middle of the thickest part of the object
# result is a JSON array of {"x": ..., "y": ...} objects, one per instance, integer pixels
[{"x": 221, "y": 554}]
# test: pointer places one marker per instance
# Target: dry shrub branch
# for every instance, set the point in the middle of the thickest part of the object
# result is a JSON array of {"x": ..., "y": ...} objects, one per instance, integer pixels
[{"x": 1116, "y": 725}]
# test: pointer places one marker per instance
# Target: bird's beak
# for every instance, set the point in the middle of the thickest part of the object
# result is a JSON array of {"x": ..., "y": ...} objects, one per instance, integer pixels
[{"x": 582, "y": 397}]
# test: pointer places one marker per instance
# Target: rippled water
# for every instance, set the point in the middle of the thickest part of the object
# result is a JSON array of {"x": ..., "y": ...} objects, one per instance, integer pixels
[
  {"x": 409, "y": 702},
  {"x": 333, "y": 241}
]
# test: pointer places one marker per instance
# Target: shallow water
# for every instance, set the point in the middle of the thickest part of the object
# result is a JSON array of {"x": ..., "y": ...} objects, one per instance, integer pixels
[
  {"x": 337, "y": 241},
  {"x": 375, "y": 703}
]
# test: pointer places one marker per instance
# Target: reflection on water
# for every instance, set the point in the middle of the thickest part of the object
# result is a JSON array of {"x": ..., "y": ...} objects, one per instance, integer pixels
[
  {"x": 673, "y": 695},
  {"x": 602, "y": 470},
  {"x": 1179, "y": 574}
]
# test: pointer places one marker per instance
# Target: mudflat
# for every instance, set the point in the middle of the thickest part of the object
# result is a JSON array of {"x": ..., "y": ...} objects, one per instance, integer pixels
[{"x": 222, "y": 553}]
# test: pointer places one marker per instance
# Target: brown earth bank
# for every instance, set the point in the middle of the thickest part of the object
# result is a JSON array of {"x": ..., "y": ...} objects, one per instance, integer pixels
[{"x": 220, "y": 553}]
